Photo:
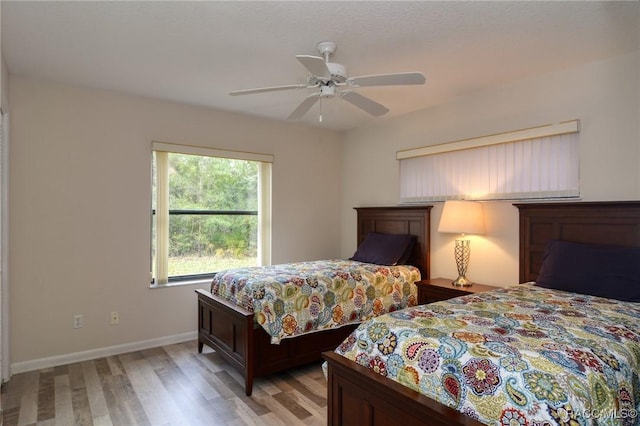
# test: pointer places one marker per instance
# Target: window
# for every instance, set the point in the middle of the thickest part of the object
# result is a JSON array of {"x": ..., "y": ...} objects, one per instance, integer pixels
[
  {"x": 210, "y": 211},
  {"x": 540, "y": 162}
]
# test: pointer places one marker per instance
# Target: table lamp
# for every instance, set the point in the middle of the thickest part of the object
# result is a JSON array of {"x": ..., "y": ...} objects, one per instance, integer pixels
[{"x": 462, "y": 217}]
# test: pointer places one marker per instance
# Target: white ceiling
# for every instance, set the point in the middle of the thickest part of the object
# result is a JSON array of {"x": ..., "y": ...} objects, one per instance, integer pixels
[{"x": 197, "y": 52}]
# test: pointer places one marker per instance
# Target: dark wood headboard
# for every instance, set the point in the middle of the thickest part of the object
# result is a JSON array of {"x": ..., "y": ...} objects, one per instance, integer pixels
[
  {"x": 607, "y": 223},
  {"x": 414, "y": 220}
]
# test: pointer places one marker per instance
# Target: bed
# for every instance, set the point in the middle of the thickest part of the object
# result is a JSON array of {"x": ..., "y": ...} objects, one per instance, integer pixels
[
  {"x": 233, "y": 331},
  {"x": 358, "y": 395}
]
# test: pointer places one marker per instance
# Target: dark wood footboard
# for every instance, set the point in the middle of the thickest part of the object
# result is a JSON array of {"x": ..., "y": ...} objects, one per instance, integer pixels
[
  {"x": 230, "y": 330},
  {"x": 360, "y": 397}
]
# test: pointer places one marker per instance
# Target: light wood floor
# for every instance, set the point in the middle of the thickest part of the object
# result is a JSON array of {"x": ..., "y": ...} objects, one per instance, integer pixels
[{"x": 169, "y": 385}]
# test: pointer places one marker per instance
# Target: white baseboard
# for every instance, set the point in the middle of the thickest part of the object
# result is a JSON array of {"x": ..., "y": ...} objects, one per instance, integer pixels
[{"x": 37, "y": 364}]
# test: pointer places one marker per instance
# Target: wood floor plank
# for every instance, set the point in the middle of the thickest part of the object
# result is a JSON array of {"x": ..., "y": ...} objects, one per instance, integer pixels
[
  {"x": 282, "y": 412},
  {"x": 172, "y": 385},
  {"x": 48, "y": 422},
  {"x": 212, "y": 361},
  {"x": 114, "y": 366},
  {"x": 241, "y": 414},
  {"x": 249, "y": 417},
  {"x": 155, "y": 398},
  {"x": 79, "y": 396},
  {"x": 29, "y": 401},
  {"x": 315, "y": 411},
  {"x": 309, "y": 390},
  {"x": 123, "y": 406},
  {"x": 63, "y": 406},
  {"x": 292, "y": 405},
  {"x": 267, "y": 385},
  {"x": 185, "y": 397},
  {"x": 214, "y": 381},
  {"x": 253, "y": 403},
  {"x": 102, "y": 421},
  {"x": 312, "y": 377},
  {"x": 97, "y": 402},
  {"x": 46, "y": 396},
  {"x": 302, "y": 399},
  {"x": 185, "y": 361}
]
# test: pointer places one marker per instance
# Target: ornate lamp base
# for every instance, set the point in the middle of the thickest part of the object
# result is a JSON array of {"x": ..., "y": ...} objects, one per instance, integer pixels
[
  {"x": 462, "y": 252},
  {"x": 461, "y": 282}
]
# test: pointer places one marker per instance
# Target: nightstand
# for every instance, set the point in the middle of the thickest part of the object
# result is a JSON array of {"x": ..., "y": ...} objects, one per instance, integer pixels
[{"x": 437, "y": 289}]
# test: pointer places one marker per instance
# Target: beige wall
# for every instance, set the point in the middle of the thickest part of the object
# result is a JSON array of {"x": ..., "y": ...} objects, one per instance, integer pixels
[
  {"x": 603, "y": 95},
  {"x": 80, "y": 202}
]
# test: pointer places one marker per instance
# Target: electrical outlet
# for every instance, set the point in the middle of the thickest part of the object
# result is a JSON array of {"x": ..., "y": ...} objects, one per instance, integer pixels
[
  {"x": 115, "y": 318},
  {"x": 78, "y": 321}
]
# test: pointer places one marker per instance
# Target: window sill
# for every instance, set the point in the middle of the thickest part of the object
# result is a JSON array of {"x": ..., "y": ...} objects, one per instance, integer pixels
[{"x": 202, "y": 281}]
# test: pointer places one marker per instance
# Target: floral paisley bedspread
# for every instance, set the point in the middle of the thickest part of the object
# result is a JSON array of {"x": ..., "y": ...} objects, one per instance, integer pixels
[
  {"x": 525, "y": 355},
  {"x": 296, "y": 298}
]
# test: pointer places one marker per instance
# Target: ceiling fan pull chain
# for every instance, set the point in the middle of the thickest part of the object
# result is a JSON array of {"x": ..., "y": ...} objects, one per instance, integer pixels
[{"x": 320, "y": 118}]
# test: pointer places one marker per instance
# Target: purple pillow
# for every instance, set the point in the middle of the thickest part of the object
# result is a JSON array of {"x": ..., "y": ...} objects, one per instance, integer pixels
[
  {"x": 606, "y": 271},
  {"x": 383, "y": 249}
]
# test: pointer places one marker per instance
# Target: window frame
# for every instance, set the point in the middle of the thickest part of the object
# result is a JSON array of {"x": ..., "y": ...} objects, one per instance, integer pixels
[{"x": 263, "y": 212}]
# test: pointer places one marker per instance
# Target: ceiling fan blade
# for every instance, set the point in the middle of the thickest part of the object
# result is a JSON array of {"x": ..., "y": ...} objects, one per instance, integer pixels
[
  {"x": 315, "y": 65},
  {"x": 364, "y": 103},
  {"x": 387, "y": 79},
  {"x": 267, "y": 89},
  {"x": 304, "y": 106}
]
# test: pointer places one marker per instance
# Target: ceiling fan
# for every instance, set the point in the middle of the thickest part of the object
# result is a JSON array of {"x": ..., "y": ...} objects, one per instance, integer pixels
[{"x": 328, "y": 76}]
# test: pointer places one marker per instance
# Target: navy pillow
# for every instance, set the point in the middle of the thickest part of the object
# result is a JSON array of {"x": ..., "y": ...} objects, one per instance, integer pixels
[
  {"x": 606, "y": 271},
  {"x": 406, "y": 256},
  {"x": 383, "y": 249}
]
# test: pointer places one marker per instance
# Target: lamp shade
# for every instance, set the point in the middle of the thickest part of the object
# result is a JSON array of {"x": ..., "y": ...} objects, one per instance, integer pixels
[{"x": 462, "y": 217}]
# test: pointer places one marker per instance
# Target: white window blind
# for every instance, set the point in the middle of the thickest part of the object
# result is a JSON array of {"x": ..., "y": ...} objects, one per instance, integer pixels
[{"x": 541, "y": 162}]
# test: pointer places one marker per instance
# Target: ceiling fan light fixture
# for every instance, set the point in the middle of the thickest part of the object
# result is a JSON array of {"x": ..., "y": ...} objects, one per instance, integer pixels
[{"x": 327, "y": 91}]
